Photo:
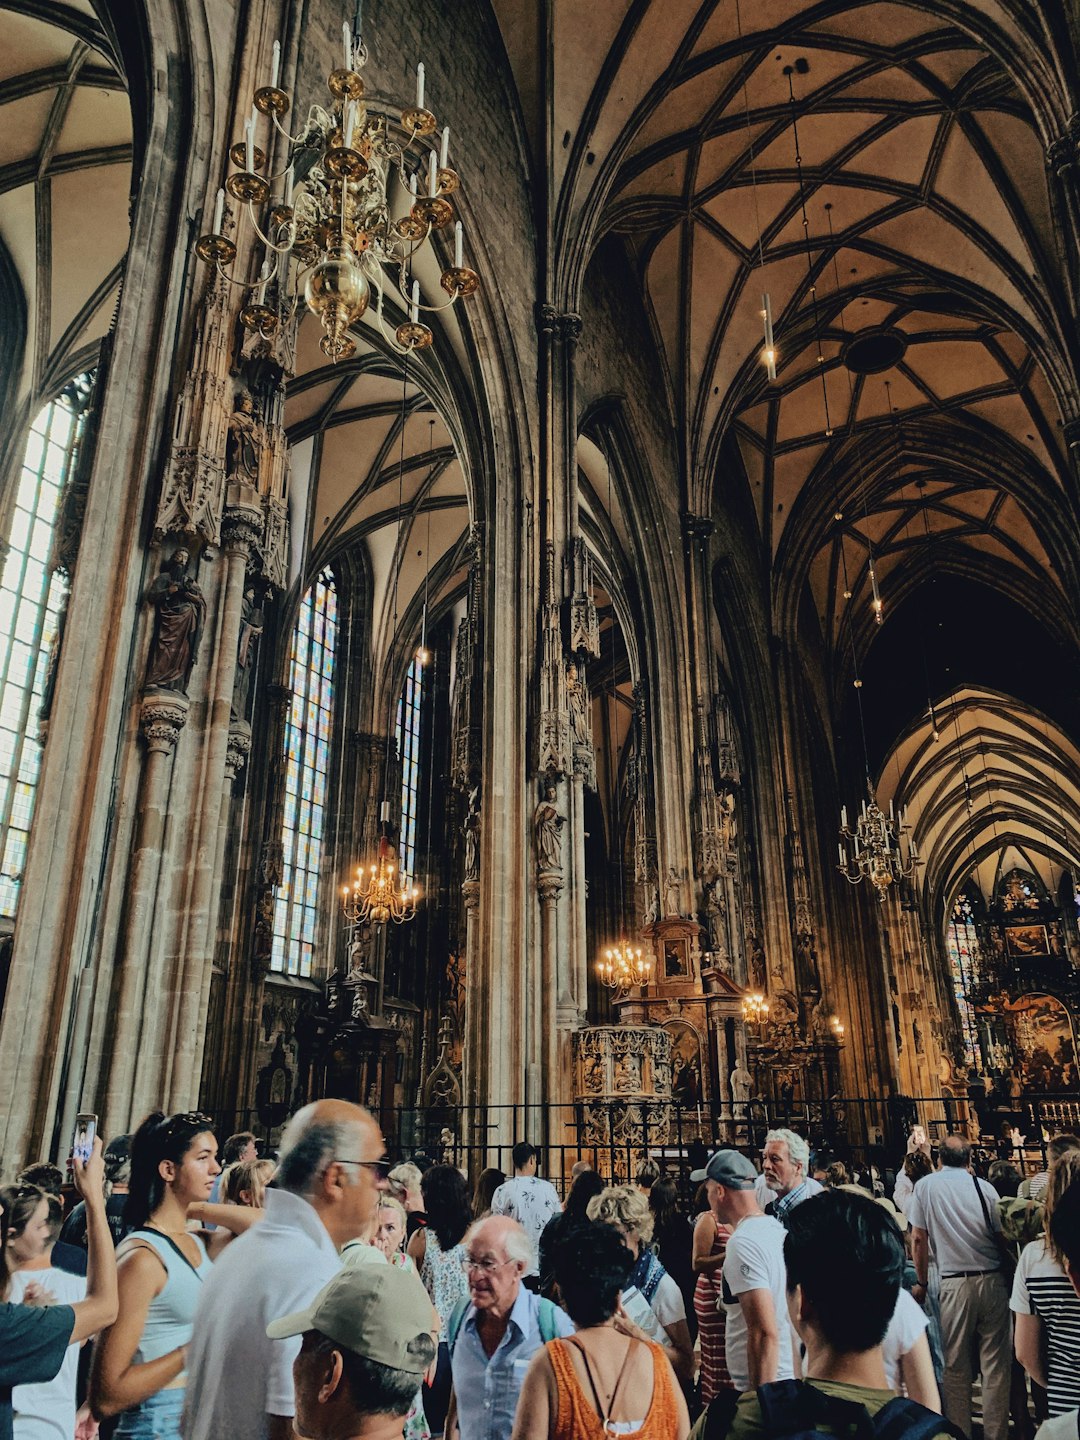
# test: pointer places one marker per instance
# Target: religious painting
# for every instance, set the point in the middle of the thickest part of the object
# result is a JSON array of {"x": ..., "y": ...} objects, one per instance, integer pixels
[
  {"x": 1043, "y": 1043},
  {"x": 676, "y": 959},
  {"x": 686, "y": 1085},
  {"x": 1024, "y": 941}
]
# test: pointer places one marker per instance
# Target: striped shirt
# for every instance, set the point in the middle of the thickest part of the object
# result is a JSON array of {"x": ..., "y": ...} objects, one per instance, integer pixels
[{"x": 1042, "y": 1288}]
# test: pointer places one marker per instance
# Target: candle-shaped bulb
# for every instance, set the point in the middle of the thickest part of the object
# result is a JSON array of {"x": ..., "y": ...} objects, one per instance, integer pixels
[
  {"x": 433, "y": 176},
  {"x": 264, "y": 276},
  {"x": 219, "y": 212},
  {"x": 346, "y": 44},
  {"x": 412, "y": 184},
  {"x": 444, "y": 149},
  {"x": 275, "y": 65},
  {"x": 414, "y": 310},
  {"x": 288, "y": 185},
  {"x": 249, "y": 134},
  {"x": 458, "y": 251},
  {"x": 843, "y": 816},
  {"x": 843, "y": 857},
  {"x": 420, "y": 86},
  {"x": 350, "y": 122}
]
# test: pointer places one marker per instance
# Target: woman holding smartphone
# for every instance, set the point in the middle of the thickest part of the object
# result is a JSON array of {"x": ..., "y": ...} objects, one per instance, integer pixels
[
  {"x": 138, "y": 1370},
  {"x": 34, "y": 1339}
]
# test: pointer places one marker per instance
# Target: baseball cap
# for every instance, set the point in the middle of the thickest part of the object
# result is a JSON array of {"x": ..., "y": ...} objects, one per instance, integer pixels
[
  {"x": 729, "y": 1168},
  {"x": 378, "y": 1311}
]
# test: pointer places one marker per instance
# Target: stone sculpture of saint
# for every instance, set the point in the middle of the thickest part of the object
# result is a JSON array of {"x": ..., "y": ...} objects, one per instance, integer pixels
[
  {"x": 245, "y": 441},
  {"x": 181, "y": 614},
  {"x": 579, "y": 713},
  {"x": 548, "y": 824},
  {"x": 472, "y": 837},
  {"x": 741, "y": 1082},
  {"x": 757, "y": 963},
  {"x": 251, "y": 627}
]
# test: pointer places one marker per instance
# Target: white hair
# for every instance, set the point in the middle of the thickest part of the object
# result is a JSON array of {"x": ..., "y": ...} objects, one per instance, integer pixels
[
  {"x": 797, "y": 1148},
  {"x": 515, "y": 1240}
]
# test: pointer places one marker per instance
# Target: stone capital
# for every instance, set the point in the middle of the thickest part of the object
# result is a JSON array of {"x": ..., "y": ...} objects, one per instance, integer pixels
[
  {"x": 569, "y": 328},
  {"x": 241, "y": 530},
  {"x": 470, "y": 894},
  {"x": 237, "y": 750},
  {"x": 162, "y": 716},
  {"x": 549, "y": 884},
  {"x": 547, "y": 319}
]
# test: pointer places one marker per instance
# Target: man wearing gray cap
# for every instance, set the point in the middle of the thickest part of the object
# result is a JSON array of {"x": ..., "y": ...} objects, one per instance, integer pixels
[
  {"x": 758, "y": 1335},
  {"x": 366, "y": 1345}
]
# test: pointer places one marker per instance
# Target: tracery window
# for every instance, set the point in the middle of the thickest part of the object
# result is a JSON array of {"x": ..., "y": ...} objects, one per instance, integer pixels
[
  {"x": 962, "y": 944},
  {"x": 408, "y": 748},
  {"x": 31, "y": 600},
  {"x": 307, "y": 758}
]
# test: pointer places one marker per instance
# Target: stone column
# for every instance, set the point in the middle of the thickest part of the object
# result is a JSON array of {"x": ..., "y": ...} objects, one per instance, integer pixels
[
  {"x": 162, "y": 717},
  {"x": 473, "y": 1039},
  {"x": 241, "y": 528},
  {"x": 544, "y": 1039}
]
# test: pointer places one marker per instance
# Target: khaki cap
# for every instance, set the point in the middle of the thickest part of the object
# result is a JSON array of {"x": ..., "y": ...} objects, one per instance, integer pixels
[{"x": 378, "y": 1311}]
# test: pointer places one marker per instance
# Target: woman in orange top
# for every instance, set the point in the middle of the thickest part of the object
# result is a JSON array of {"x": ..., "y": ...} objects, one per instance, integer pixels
[{"x": 607, "y": 1379}]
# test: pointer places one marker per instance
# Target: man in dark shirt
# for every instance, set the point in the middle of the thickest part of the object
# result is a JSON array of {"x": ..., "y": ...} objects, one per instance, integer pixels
[{"x": 117, "y": 1175}]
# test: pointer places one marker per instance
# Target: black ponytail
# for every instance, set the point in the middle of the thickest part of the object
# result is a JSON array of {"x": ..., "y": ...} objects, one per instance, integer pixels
[{"x": 158, "y": 1138}]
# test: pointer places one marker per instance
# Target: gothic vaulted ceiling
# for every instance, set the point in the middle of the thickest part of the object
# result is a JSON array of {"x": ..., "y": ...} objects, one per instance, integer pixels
[{"x": 65, "y": 173}]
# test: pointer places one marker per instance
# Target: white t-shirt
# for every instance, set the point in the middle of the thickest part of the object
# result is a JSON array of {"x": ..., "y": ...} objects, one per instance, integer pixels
[
  {"x": 530, "y": 1201},
  {"x": 907, "y": 1324},
  {"x": 755, "y": 1261},
  {"x": 946, "y": 1205},
  {"x": 668, "y": 1304},
  {"x": 47, "y": 1412},
  {"x": 235, "y": 1375},
  {"x": 1041, "y": 1287}
]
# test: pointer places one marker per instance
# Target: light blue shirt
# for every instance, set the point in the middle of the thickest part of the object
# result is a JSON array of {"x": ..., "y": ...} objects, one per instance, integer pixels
[{"x": 487, "y": 1390}]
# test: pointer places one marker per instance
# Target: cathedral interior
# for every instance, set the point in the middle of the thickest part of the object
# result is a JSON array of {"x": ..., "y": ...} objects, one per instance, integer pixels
[{"x": 540, "y": 568}]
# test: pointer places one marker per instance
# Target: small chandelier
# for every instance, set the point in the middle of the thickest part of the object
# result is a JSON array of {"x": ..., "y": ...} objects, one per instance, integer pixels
[
  {"x": 624, "y": 967},
  {"x": 879, "y": 846},
  {"x": 755, "y": 1011},
  {"x": 329, "y": 232},
  {"x": 377, "y": 895}
]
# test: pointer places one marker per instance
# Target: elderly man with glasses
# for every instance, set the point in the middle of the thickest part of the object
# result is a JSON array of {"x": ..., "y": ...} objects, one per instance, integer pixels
[
  {"x": 496, "y": 1332},
  {"x": 331, "y": 1173}
]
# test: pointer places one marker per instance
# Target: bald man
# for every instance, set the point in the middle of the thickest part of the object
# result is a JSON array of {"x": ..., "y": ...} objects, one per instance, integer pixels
[{"x": 331, "y": 1170}]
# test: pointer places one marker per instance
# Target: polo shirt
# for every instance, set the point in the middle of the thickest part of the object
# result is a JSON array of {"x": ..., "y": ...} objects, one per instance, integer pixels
[
  {"x": 235, "y": 1374},
  {"x": 487, "y": 1390},
  {"x": 946, "y": 1205},
  {"x": 33, "y": 1344}
]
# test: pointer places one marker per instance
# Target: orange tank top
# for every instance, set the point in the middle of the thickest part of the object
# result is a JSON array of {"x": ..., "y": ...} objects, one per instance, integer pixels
[{"x": 578, "y": 1420}]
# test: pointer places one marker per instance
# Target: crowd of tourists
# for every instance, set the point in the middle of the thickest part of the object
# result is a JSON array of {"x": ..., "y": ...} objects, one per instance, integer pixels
[{"x": 325, "y": 1293}]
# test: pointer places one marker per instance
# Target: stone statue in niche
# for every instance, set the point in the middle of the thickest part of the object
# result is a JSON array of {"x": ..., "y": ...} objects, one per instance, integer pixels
[
  {"x": 917, "y": 1037},
  {"x": 741, "y": 1083},
  {"x": 806, "y": 968},
  {"x": 251, "y": 627},
  {"x": 578, "y": 706},
  {"x": 244, "y": 445},
  {"x": 181, "y": 614},
  {"x": 728, "y": 823},
  {"x": 672, "y": 892},
  {"x": 756, "y": 964},
  {"x": 652, "y": 905},
  {"x": 548, "y": 824},
  {"x": 820, "y": 1029},
  {"x": 472, "y": 836}
]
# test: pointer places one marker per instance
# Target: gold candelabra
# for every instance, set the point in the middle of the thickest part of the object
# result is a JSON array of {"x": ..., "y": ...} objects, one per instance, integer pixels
[
  {"x": 352, "y": 202},
  {"x": 755, "y": 1011},
  {"x": 623, "y": 966},
  {"x": 377, "y": 895},
  {"x": 879, "y": 848}
]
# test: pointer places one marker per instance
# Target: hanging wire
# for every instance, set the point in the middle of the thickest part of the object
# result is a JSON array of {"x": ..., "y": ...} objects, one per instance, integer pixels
[
  {"x": 766, "y": 304},
  {"x": 422, "y": 656},
  {"x": 788, "y": 71},
  {"x": 391, "y": 718}
]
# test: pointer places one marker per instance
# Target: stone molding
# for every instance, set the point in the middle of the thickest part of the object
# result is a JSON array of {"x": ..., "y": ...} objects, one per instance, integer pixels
[{"x": 162, "y": 716}]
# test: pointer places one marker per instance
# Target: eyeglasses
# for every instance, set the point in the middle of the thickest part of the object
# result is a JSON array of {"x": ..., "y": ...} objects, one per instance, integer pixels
[
  {"x": 379, "y": 1168},
  {"x": 486, "y": 1267}
]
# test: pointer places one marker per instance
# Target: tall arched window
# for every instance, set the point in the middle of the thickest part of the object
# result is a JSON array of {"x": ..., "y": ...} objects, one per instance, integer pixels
[
  {"x": 30, "y": 603},
  {"x": 408, "y": 748},
  {"x": 307, "y": 758},
  {"x": 962, "y": 943}
]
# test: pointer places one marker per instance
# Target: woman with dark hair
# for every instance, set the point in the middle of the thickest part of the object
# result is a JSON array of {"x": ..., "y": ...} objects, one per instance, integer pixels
[
  {"x": 602, "y": 1380},
  {"x": 674, "y": 1242},
  {"x": 439, "y": 1255},
  {"x": 575, "y": 1212},
  {"x": 489, "y": 1182},
  {"x": 138, "y": 1370}
]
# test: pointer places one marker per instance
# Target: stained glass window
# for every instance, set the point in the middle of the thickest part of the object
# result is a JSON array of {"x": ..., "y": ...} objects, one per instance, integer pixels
[
  {"x": 408, "y": 748},
  {"x": 30, "y": 602},
  {"x": 307, "y": 759},
  {"x": 963, "y": 948}
]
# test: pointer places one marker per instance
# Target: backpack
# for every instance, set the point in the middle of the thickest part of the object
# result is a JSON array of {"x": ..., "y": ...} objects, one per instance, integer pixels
[
  {"x": 797, "y": 1411},
  {"x": 545, "y": 1318}
]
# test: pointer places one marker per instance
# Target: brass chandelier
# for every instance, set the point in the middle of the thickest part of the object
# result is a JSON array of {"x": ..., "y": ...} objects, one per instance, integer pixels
[
  {"x": 352, "y": 202},
  {"x": 623, "y": 966},
  {"x": 879, "y": 846},
  {"x": 378, "y": 894}
]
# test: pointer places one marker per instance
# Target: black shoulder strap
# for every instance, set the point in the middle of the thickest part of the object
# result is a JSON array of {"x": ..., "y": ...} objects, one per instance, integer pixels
[
  {"x": 791, "y": 1407},
  {"x": 903, "y": 1419}
]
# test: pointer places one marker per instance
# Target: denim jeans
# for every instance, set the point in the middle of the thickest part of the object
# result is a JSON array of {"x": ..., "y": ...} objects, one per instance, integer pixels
[{"x": 157, "y": 1418}]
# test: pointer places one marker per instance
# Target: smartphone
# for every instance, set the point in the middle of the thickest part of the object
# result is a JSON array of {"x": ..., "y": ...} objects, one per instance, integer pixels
[{"x": 85, "y": 1131}]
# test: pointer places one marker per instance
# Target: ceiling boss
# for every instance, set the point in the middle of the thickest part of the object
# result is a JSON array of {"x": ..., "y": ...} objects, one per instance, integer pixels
[{"x": 354, "y": 200}]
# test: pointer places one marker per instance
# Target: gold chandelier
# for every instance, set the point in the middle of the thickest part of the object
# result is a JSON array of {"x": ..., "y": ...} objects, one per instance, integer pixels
[
  {"x": 623, "y": 966},
  {"x": 355, "y": 202},
  {"x": 377, "y": 895},
  {"x": 879, "y": 849}
]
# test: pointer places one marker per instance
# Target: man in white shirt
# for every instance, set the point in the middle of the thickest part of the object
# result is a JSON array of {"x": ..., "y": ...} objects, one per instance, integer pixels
[
  {"x": 45, "y": 1411},
  {"x": 758, "y": 1335},
  {"x": 331, "y": 1171},
  {"x": 957, "y": 1214},
  {"x": 526, "y": 1198}
]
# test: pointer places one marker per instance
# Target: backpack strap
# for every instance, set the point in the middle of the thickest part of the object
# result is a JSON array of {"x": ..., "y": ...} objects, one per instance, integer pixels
[
  {"x": 720, "y": 1414},
  {"x": 454, "y": 1323},
  {"x": 547, "y": 1320},
  {"x": 791, "y": 1407},
  {"x": 904, "y": 1419}
]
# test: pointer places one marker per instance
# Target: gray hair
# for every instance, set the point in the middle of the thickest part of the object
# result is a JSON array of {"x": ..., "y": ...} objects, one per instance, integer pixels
[
  {"x": 515, "y": 1239},
  {"x": 305, "y": 1155},
  {"x": 955, "y": 1151},
  {"x": 797, "y": 1148}
]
